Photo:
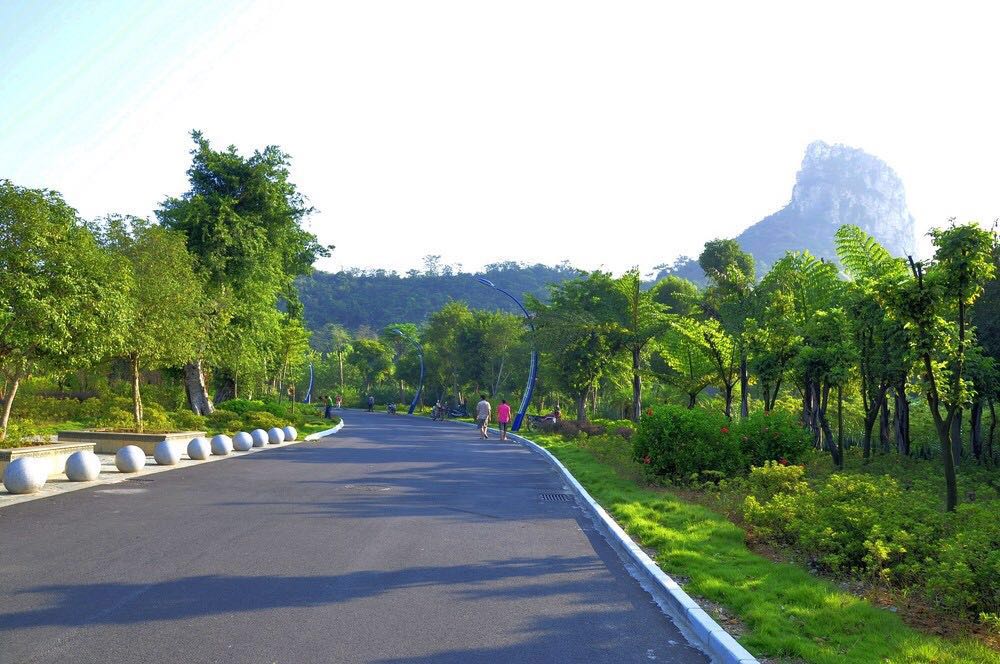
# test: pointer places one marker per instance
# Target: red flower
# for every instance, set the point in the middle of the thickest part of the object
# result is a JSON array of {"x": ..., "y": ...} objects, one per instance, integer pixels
[
  {"x": 649, "y": 412},
  {"x": 783, "y": 461},
  {"x": 725, "y": 429},
  {"x": 646, "y": 459}
]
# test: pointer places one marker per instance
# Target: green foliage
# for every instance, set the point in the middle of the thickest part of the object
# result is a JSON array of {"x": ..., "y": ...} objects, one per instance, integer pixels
[
  {"x": 262, "y": 420},
  {"x": 775, "y": 436},
  {"x": 788, "y": 613},
  {"x": 679, "y": 442},
  {"x": 376, "y": 298}
]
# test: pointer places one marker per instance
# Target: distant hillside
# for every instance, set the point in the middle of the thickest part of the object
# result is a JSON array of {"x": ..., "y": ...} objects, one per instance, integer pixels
[
  {"x": 375, "y": 298},
  {"x": 836, "y": 185}
]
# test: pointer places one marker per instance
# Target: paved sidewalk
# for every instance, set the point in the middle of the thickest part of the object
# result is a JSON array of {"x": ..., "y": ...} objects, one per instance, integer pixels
[{"x": 397, "y": 540}]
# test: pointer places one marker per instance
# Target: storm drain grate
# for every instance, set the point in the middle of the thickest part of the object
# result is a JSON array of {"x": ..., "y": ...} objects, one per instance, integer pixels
[{"x": 556, "y": 497}]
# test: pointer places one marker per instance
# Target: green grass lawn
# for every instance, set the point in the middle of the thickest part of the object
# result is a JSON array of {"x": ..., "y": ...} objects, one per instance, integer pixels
[{"x": 789, "y": 614}]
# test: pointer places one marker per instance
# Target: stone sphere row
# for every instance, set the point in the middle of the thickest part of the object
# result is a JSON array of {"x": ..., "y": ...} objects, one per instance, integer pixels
[{"x": 28, "y": 475}]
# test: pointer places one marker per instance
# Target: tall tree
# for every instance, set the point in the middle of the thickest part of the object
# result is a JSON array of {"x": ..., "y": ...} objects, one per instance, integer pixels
[
  {"x": 242, "y": 218},
  {"x": 935, "y": 305},
  {"x": 731, "y": 273},
  {"x": 165, "y": 298},
  {"x": 640, "y": 320},
  {"x": 62, "y": 298},
  {"x": 879, "y": 337}
]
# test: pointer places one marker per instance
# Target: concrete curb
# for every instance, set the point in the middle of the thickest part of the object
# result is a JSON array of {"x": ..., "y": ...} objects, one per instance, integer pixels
[
  {"x": 691, "y": 618},
  {"x": 326, "y": 432}
]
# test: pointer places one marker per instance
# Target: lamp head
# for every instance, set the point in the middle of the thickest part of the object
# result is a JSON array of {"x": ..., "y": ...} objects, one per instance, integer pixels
[{"x": 486, "y": 282}]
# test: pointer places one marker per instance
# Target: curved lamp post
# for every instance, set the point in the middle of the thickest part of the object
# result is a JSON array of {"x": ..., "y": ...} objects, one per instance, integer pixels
[
  {"x": 309, "y": 390},
  {"x": 420, "y": 354},
  {"x": 533, "y": 370}
]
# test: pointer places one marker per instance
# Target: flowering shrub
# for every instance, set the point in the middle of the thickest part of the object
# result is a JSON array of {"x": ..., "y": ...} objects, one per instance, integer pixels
[
  {"x": 680, "y": 442},
  {"x": 772, "y": 437}
]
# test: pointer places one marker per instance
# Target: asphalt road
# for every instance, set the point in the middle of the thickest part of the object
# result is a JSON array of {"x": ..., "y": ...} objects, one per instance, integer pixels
[{"x": 396, "y": 540}]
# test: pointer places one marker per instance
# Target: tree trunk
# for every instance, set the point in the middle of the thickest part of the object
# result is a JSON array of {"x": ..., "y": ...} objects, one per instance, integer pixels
[
  {"x": 883, "y": 428},
  {"x": 729, "y": 400},
  {"x": 136, "y": 395},
  {"x": 956, "y": 437},
  {"x": 976, "y": 429},
  {"x": 840, "y": 428},
  {"x": 988, "y": 452},
  {"x": 944, "y": 431},
  {"x": 636, "y": 386},
  {"x": 194, "y": 385},
  {"x": 744, "y": 388},
  {"x": 581, "y": 407},
  {"x": 340, "y": 360},
  {"x": 902, "y": 420},
  {"x": 692, "y": 399},
  {"x": 226, "y": 389},
  {"x": 7, "y": 404}
]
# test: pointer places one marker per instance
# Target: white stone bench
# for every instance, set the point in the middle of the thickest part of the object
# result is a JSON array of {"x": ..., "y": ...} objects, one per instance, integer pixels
[{"x": 109, "y": 442}]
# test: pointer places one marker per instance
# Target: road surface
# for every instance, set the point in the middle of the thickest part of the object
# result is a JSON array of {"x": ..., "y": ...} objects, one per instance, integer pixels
[{"x": 398, "y": 540}]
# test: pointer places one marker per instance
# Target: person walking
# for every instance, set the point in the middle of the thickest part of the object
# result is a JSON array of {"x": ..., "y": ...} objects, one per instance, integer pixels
[
  {"x": 483, "y": 410},
  {"x": 503, "y": 418},
  {"x": 371, "y": 403},
  {"x": 340, "y": 402},
  {"x": 328, "y": 411}
]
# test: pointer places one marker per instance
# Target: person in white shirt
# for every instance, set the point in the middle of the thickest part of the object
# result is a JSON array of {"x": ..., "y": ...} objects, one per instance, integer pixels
[{"x": 483, "y": 410}]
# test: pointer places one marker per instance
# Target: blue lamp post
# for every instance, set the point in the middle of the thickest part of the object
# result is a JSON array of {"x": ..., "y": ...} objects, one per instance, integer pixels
[
  {"x": 533, "y": 370},
  {"x": 420, "y": 354}
]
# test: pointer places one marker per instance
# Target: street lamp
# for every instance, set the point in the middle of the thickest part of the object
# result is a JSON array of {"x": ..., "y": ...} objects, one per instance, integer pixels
[
  {"x": 420, "y": 354},
  {"x": 533, "y": 370}
]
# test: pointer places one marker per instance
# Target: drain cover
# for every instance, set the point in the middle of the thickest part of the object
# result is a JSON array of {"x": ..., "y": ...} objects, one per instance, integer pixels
[{"x": 556, "y": 497}]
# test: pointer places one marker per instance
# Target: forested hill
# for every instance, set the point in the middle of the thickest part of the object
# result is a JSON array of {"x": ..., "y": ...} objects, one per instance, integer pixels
[{"x": 375, "y": 298}]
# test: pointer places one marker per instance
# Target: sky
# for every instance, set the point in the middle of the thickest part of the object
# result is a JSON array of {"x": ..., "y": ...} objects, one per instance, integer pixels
[{"x": 608, "y": 134}]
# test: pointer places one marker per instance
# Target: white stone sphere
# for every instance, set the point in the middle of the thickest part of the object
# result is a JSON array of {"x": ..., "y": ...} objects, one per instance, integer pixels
[
  {"x": 290, "y": 433},
  {"x": 221, "y": 444},
  {"x": 25, "y": 475},
  {"x": 83, "y": 466},
  {"x": 130, "y": 459},
  {"x": 242, "y": 441},
  {"x": 259, "y": 437},
  {"x": 275, "y": 436},
  {"x": 166, "y": 453},
  {"x": 198, "y": 448}
]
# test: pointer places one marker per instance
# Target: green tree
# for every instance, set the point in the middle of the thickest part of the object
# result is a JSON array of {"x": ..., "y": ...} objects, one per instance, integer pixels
[
  {"x": 242, "y": 219},
  {"x": 374, "y": 359},
  {"x": 576, "y": 333},
  {"x": 165, "y": 298},
  {"x": 880, "y": 339},
  {"x": 935, "y": 306},
  {"x": 731, "y": 273},
  {"x": 63, "y": 301},
  {"x": 639, "y": 320}
]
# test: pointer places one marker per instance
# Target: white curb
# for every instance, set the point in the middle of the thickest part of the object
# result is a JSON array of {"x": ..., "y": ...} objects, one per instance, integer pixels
[
  {"x": 327, "y": 432},
  {"x": 691, "y": 618}
]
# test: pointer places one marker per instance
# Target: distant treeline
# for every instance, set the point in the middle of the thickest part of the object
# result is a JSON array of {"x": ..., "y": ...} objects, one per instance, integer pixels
[{"x": 359, "y": 299}]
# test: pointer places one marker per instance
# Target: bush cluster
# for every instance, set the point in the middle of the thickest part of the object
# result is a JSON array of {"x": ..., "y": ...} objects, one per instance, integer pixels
[
  {"x": 870, "y": 526},
  {"x": 680, "y": 442}
]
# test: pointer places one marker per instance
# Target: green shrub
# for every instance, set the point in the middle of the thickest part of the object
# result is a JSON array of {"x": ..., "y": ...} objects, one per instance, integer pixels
[
  {"x": 44, "y": 409},
  {"x": 220, "y": 418},
  {"x": 772, "y": 437},
  {"x": 964, "y": 573},
  {"x": 186, "y": 420},
  {"x": 261, "y": 420},
  {"x": 243, "y": 406},
  {"x": 680, "y": 442}
]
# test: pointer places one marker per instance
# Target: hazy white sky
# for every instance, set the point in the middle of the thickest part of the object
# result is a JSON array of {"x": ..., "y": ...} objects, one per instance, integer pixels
[{"x": 606, "y": 133}]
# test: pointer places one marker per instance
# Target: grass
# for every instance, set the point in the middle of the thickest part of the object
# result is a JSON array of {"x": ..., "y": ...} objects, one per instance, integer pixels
[{"x": 789, "y": 614}]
